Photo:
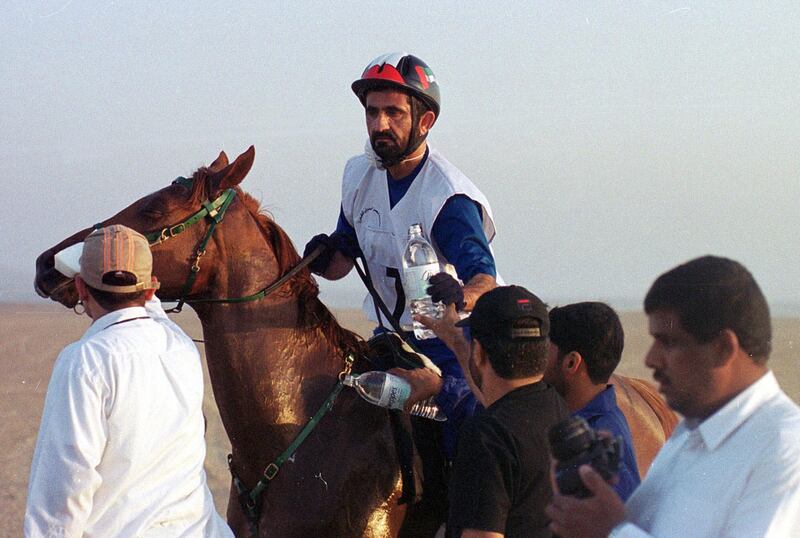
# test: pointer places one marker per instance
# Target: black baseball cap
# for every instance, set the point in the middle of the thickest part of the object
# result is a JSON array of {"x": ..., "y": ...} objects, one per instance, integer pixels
[{"x": 496, "y": 311}]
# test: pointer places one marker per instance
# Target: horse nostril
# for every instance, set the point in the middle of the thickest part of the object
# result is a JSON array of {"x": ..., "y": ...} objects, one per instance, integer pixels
[{"x": 39, "y": 291}]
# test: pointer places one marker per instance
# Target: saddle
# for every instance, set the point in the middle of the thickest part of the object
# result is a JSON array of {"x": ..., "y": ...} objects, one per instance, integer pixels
[{"x": 387, "y": 350}]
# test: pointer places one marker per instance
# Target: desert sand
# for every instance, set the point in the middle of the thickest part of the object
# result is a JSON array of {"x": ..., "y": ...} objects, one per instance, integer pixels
[{"x": 31, "y": 336}]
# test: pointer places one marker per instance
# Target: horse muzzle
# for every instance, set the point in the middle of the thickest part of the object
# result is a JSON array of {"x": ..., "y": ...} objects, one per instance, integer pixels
[{"x": 51, "y": 284}]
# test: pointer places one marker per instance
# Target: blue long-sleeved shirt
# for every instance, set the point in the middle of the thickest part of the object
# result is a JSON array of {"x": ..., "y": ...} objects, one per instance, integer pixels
[{"x": 602, "y": 413}]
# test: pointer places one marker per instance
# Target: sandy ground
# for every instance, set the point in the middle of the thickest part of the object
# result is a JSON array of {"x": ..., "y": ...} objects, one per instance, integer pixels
[{"x": 31, "y": 336}]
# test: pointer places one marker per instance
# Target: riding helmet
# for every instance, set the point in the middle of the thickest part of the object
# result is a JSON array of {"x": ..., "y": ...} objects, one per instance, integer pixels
[{"x": 403, "y": 71}]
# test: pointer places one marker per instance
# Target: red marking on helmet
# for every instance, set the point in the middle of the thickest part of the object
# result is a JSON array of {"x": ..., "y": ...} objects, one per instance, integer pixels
[
  {"x": 523, "y": 301},
  {"x": 384, "y": 72},
  {"x": 423, "y": 78}
]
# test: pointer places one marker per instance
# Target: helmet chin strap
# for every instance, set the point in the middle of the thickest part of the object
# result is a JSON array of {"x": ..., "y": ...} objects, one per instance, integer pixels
[
  {"x": 378, "y": 163},
  {"x": 415, "y": 139}
]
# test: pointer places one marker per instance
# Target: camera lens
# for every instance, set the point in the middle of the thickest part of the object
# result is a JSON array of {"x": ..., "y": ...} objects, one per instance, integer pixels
[{"x": 570, "y": 438}]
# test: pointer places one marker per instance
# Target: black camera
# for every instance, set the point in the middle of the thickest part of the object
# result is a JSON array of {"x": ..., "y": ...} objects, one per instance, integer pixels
[{"x": 574, "y": 443}]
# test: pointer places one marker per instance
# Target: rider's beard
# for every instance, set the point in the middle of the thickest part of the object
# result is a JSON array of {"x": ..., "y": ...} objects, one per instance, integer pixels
[
  {"x": 386, "y": 148},
  {"x": 389, "y": 151}
]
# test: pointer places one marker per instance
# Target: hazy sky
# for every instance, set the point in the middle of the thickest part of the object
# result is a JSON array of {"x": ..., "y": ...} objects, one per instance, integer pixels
[{"x": 614, "y": 140}]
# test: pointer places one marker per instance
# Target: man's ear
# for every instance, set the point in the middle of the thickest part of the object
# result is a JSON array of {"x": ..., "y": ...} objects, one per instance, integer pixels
[
  {"x": 426, "y": 121},
  {"x": 726, "y": 346},
  {"x": 480, "y": 353},
  {"x": 80, "y": 286},
  {"x": 571, "y": 363}
]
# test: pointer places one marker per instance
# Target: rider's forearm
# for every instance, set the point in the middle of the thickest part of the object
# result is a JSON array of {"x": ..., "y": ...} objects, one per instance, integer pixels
[
  {"x": 477, "y": 286},
  {"x": 339, "y": 267}
]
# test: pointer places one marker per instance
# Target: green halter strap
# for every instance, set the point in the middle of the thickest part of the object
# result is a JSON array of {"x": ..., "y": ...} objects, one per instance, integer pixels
[{"x": 213, "y": 210}]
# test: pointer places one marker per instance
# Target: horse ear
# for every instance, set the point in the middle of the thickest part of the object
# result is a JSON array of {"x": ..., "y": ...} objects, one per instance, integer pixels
[
  {"x": 234, "y": 173},
  {"x": 220, "y": 163}
]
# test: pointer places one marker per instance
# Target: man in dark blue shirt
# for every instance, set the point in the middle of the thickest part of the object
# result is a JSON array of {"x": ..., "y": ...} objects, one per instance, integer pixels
[{"x": 586, "y": 341}]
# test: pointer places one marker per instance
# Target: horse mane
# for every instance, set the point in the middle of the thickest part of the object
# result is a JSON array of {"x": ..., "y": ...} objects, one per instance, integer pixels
[{"x": 312, "y": 311}]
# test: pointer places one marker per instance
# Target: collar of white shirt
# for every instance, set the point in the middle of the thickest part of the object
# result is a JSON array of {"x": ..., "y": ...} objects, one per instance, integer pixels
[
  {"x": 716, "y": 428},
  {"x": 117, "y": 316}
]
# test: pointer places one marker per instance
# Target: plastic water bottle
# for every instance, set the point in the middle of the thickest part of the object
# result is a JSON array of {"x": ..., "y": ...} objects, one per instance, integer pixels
[
  {"x": 419, "y": 264},
  {"x": 390, "y": 391}
]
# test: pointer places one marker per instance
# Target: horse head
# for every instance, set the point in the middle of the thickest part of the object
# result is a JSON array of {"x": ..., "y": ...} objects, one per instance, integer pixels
[
  {"x": 272, "y": 362},
  {"x": 160, "y": 216}
]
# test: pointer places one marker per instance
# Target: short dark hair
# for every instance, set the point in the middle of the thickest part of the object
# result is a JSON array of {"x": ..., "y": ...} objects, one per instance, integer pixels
[
  {"x": 515, "y": 358},
  {"x": 711, "y": 294},
  {"x": 592, "y": 329},
  {"x": 110, "y": 300}
]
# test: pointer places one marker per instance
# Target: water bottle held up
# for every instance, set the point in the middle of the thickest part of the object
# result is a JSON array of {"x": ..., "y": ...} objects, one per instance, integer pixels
[
  {"x": 389, "y": 391},
  {"x": 419, "y": 264}
]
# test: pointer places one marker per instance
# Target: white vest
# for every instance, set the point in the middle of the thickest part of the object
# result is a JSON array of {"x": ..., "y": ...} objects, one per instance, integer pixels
[{"x": 383, "y": 231}]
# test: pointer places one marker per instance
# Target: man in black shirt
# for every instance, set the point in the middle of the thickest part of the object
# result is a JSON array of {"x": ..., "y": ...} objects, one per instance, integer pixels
[{"x": 500, "y": 481}]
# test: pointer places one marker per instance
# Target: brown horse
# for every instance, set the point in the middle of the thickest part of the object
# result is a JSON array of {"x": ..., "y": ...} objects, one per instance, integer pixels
[
  {"x": 273, "y": 361},
  {"x": 650, "y": 419}
]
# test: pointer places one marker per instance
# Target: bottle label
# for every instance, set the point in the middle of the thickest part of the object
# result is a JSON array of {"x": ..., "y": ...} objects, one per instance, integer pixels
[
  {"x": 395, "y": 393},
  {"x": 415, "y": 280}
]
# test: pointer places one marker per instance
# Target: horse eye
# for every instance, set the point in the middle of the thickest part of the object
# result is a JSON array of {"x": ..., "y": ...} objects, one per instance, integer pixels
[
  {"x": 152, "y": 211},
  {"x": 152, "y": 214}
]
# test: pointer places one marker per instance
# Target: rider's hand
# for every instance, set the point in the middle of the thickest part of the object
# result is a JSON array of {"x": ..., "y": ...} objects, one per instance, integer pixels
[
  {"x": 336, "y": 242},
  {"x": 321, "y": 262},
  {"x": 447, "y": 290},
  {"x": 347, "y": 245}
]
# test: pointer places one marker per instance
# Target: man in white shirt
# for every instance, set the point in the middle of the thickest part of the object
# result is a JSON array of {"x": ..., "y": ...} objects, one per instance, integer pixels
[
  {"x": 120, "y": 449},
  {"x": 732, "y": 466}
]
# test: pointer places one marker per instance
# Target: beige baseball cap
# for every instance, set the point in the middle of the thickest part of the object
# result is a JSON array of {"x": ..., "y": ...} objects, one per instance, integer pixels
[{"x": 117, "y": 249}]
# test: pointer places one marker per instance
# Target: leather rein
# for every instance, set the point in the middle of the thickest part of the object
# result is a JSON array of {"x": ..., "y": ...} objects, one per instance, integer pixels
[{"x": 215, "y": 211}]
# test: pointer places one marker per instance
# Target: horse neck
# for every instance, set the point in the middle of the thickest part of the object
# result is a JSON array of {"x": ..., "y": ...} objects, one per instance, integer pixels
[
  {"x": 267, "y": 374},
  {"x": 267, "y": 371}
]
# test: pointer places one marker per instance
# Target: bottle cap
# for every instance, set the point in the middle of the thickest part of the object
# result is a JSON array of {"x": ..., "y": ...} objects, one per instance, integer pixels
[{"x": 349, "y": 380}]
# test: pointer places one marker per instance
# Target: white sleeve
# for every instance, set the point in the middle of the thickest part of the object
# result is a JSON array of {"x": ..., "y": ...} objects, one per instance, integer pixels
[{"x": 70, "y": 445}]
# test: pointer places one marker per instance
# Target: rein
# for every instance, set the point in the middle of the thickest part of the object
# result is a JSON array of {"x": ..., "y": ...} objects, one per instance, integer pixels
[
  {"x": 380, "y": 305},
  {"x": 215, "y": 210},
  {"x": 248, "y": 499}
]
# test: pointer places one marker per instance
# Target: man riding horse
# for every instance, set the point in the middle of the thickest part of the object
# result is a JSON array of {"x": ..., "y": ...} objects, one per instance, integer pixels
[{"x": 399, "y": 181}]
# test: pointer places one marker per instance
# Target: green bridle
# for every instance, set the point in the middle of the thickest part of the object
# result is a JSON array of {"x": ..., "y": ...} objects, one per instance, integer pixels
[
  {"x": 249, "y": 499},
  {"x": 215, "y": 211}
]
